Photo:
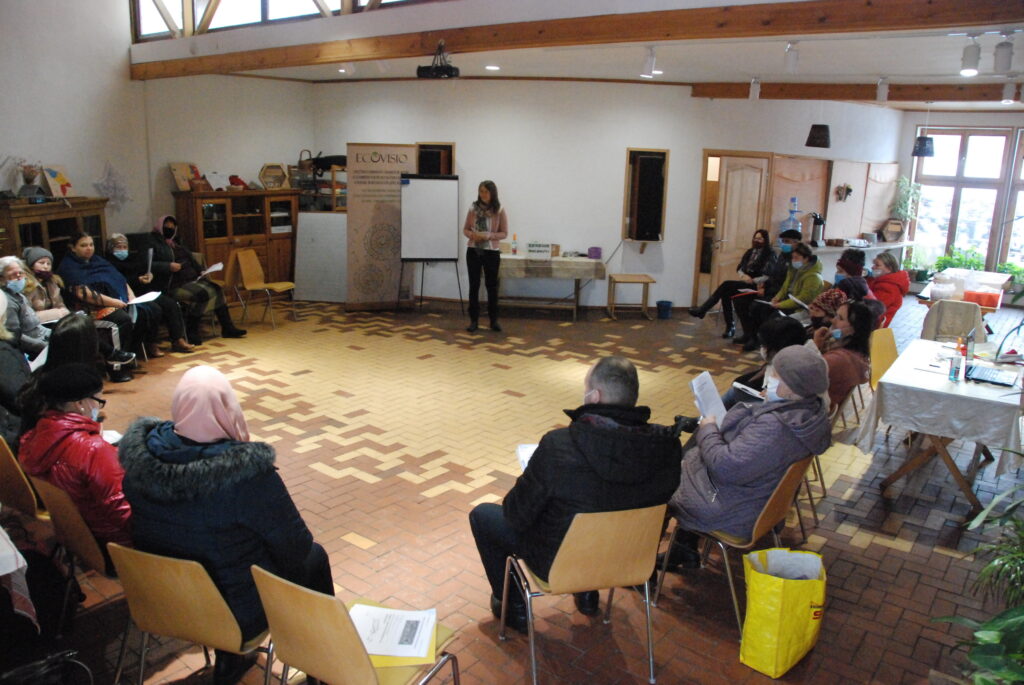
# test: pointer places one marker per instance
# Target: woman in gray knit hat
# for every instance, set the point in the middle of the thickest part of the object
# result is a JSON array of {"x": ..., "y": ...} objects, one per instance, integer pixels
[{"x": 730, "y": 471}]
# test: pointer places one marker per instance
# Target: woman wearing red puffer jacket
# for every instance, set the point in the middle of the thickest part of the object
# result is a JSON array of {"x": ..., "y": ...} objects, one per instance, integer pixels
[
  {"x": 889, "y": 284},
  {"x": 65, "y": 448}
]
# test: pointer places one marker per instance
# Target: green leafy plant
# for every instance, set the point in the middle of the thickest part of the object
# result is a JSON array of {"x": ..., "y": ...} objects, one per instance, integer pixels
[
  {"x": 961, "y": 259},
  {"x": 995, "y": 652},
  {"x": 908, "y": 195},
  {"x": 1016, "y": 271}
]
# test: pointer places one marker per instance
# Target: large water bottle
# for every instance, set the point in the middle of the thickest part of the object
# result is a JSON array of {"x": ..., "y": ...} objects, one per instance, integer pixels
[{"x": 792, "y": 222}]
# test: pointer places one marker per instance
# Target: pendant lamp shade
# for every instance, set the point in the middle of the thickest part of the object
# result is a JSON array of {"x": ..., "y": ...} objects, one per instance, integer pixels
[
  {"x": 819, "y": 136},
  {"x": 924, "y": 146}
]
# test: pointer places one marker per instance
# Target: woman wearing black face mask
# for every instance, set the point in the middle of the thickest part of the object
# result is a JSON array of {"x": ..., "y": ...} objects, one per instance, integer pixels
[
  {"x": 751, "y": 272},
  {"x": 176, "y": 272}
]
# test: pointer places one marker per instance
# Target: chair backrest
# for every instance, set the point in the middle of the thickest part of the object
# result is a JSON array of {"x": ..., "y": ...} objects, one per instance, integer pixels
[
  {"x": 15, "y": 490},
  {"x": 607, "y": 549},
  {"x": 251, "y": 269},
  {"x": 313, "y": 632},
  {"x": 951, "y": 319},
  {"x": 777, "y": 506},
  {"x": 70, "y": 527},
  {"x": 883, "y": 353},
  {"x": 175, "y": 598}
]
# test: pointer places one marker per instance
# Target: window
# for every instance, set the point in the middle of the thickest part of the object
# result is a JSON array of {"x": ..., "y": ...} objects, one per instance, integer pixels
[
  {"x": 1013, "y": 225},
  {"x": 644, "y": 212},
  {"x": 963, "y": 188}
]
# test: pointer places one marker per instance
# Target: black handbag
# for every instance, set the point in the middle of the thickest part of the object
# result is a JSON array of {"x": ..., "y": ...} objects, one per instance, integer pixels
[{"x": 61, "y": 668}]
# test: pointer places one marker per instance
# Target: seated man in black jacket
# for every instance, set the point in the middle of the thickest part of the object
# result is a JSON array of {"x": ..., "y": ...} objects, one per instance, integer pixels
[{"x": 609, "y": 458}]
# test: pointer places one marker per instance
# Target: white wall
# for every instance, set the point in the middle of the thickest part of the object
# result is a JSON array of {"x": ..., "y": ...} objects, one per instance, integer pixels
[
  {"x": 234, "y": 125},
  {"x": 67, "y": 98},
  {"x": 557, "y": 152}
]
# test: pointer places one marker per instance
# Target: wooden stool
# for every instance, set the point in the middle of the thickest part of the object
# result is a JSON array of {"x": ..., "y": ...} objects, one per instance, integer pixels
[{"x": 614, "y": 279}]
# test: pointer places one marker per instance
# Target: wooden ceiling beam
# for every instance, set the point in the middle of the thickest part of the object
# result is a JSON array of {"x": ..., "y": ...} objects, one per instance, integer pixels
[
  {"x": 737, "y": 21},
  {"x": 862, "y": 92}
]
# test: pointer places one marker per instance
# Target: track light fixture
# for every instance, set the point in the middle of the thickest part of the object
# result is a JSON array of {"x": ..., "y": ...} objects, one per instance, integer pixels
[
  {"x": 972, "y": 56},
  {"x": 755, "y": 89},
  {"x": 792, "y": 59},
  {"x": 1009, "y": 93},
  {"x": 1002, "y": 58},
  {"x": 648, "y": 71},
  {"x": 882, "y": 90}
]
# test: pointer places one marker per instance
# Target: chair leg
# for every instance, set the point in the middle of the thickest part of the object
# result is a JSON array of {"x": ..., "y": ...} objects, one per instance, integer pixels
[
  {"x": 800, "y": 517},
  {"x": 732, "y": 585},
  {"x": 775, "y": 538},
  {"x": 64, "y": 621},
  {"x": 244, "y": 303},
  {"x": 270, "y": 662},
  {"x": 284, "y": 674},
  {"x": 121, "y": 653},
  {"x": 523, "y": 585},
  {"x": 206, "y": 655},
  {"x": 810, "y": 500},
  {"x": 608, "y": 608},
  {"x": 295, "y": 314},
  {"x": 446, "y": 658},
  {"x": 664, "y": 565},
  {"x": 142, "y": 657},
  {"x": 650, "y": 632},
  {"x": 267, "y": 308}
]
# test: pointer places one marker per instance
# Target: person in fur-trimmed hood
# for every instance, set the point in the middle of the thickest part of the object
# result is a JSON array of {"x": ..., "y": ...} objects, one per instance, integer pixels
[{"x": 200, "y": 490}]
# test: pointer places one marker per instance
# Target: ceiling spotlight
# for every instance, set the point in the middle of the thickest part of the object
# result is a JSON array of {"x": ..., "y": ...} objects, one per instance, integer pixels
[
  {"x": 971, "y": 57},
  {"x": 1003, "y": 56},
  {"x": 341, "y": 70},
  {"x": 882, "y": 90},
  {"x": 755, "y": 89},
  {"x": 1009, "y": 93},
  {"x": 792, "y": 58},
  {"x": 648, "y": 71},
  {"x": 347, "y": 68},
  {"x": 492, "y": 67}
]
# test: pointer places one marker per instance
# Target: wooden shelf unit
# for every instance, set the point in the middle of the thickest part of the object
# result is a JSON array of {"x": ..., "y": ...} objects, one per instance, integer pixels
[
  {"x": 215, "y": 222},
  {"x": 51, "y": 224}
]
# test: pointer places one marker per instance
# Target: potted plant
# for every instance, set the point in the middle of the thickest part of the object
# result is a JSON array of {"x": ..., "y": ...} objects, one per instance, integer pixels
[
  {"x": 916, "y": 268},
  {"x": 904, "y": 205},
  {"x": 1016, "y": 271},
  {"x": 961, "y": 259},
  {"x": 995, "y": 650}
]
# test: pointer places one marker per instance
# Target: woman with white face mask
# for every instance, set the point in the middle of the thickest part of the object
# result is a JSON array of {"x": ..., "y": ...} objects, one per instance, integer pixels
[
  {"x": 730, "y": 471},
  {"x": 65, "y": 447}
]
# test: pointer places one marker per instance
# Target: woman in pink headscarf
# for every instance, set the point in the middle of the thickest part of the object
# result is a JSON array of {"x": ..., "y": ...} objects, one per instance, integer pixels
[{"x": 200, "y": 490}]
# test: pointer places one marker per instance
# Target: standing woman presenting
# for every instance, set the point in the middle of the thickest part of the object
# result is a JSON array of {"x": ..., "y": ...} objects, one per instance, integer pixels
[{"x": 486, "y": 225}]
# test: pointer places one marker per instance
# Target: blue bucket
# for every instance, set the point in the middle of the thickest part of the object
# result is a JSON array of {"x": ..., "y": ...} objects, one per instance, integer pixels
[{"x": 664, "y": 309}]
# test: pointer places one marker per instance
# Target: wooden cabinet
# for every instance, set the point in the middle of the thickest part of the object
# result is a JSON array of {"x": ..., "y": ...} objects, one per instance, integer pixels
[
  {"x": 51, "y": 224},
  {"x": 216, "y": 222}
]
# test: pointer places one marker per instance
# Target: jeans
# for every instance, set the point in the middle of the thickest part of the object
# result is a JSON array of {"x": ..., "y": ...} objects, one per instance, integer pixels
[
  {"x": 489, "y": 261},
  {"x": 495, "y": 541}
]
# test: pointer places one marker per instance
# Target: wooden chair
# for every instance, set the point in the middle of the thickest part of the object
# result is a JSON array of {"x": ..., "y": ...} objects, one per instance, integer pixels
[
  {"x": 314, "y": 633},
  {"x": 773, "y": 513},
  {"x": 81, "y": 550},
  {"x": 15, "y": 490},
  {"x": 177, "y": 598},
  {"x": 601, "y": 550},
  {"x": 883, "y": 352},
  {"x": 253, "y": 279}
]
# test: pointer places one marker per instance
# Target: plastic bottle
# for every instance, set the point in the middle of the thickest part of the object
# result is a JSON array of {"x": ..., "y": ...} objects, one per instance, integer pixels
[
  {"x": 792, "y": 223},
  {"x": 515, "y": 245}
]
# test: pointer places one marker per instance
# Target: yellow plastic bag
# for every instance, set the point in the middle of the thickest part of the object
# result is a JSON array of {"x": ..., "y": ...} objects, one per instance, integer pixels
[{"x": 785, "y": 603}]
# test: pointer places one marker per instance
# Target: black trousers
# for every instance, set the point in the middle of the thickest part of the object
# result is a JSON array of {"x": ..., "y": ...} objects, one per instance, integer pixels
[
  {"x": 495, "y": 541},
  {"x": 489, "y": 261},
  {"x": 723, "y": 293},
  {"x": 753, "y": 316}
]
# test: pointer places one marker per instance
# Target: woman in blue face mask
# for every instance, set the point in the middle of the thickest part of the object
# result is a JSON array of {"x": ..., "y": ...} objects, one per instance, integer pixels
[
  {"x": 27, "y": 333},
  {"x": 845, "y": 346}
]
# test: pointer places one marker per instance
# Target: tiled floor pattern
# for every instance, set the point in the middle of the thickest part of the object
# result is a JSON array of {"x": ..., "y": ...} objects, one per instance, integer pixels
[{"x": 389, "y": 428}]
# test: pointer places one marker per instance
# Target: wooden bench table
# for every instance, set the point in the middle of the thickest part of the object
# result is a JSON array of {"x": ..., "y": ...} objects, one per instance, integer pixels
[{"x": 615, "y": 279}]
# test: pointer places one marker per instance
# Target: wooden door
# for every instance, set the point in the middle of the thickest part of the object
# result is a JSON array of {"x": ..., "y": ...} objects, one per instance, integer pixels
[{"x": 742, "y": 184}]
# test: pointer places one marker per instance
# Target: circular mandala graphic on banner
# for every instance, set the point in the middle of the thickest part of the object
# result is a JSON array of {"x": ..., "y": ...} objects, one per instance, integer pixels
[
  {"x": 370, "y": 279},
  {"x": 381, "y": 241}
]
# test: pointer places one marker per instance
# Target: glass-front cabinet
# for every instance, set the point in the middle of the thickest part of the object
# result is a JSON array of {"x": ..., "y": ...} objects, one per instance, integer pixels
[
  {"x": 51, "y": 224},
  {"x": 217, "y": 222}
]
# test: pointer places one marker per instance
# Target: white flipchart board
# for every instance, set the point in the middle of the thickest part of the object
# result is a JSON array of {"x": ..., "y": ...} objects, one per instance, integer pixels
[{"x": 430, "y": 218}]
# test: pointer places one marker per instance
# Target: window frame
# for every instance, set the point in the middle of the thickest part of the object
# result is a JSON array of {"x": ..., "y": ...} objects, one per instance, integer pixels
[{"x": 959, "y": 181}]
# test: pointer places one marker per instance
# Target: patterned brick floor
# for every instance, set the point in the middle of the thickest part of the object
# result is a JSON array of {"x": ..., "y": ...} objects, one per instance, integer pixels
[{"x": 389, "y": 428}]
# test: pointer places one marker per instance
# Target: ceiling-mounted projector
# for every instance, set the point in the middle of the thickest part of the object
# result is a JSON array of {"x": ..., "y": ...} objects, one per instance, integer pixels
[{"x": 440, "y": 67}]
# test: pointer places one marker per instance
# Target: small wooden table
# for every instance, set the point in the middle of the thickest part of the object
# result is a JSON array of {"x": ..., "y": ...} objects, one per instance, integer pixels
[
  {"x": 615, "y": 279},
  {"x": 574, "y": 268}
]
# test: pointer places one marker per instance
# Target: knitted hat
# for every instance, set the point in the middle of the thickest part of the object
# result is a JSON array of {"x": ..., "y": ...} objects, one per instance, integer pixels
[
  {"x": 829, "y": 301},
  {"x": 803, "y": 370},
  {"x": 70, "y": 382},
  {"x": 31, "y": 255},
  {"x": 852, "y": 262},
  {"x": 792, "y": 234}
]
